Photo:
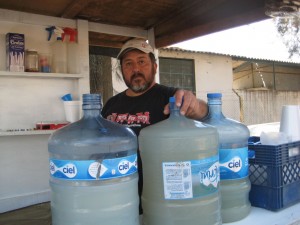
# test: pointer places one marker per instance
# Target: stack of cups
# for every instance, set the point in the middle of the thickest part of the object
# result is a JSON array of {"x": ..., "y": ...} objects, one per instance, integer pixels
[
  {"x": 290, "y": 122},
  {"x": 72, "y": 108},
  {"x": 290, "y": 125}
]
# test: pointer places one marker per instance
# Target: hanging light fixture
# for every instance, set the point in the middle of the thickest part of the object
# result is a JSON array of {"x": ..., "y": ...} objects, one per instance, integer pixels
[
  {"x": 286, "y": 17},
  {"x": 282, "y": 8}
]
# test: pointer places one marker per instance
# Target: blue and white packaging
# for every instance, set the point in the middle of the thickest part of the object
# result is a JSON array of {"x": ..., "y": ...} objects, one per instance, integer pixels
[{"x": 15, "y": 48}]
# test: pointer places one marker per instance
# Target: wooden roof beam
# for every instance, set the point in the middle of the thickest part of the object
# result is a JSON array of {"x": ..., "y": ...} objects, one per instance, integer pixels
[
  {"x": 189, "y": 10},
  {"x": 208, "y": 28},
  {"x": 75, "y": 8}
]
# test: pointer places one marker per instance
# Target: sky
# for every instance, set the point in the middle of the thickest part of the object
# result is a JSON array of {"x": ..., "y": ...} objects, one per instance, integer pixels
[{"x": 257, "y": 40}]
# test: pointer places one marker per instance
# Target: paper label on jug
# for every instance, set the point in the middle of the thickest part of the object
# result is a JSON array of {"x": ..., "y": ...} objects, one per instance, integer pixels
[
  {"x": 191, "y": 179},
  {"x": 233, "y": 163},
  {"x": 93, "y": 169}
]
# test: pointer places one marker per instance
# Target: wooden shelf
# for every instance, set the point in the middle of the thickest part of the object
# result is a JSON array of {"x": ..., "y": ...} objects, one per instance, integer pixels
[
  {"x": 39, "y": 75},
  {"x": 31, "y": 132}
]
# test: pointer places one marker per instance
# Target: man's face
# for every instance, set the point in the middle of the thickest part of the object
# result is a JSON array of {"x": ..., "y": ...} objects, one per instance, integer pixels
[{"x": 138, "y": 71}]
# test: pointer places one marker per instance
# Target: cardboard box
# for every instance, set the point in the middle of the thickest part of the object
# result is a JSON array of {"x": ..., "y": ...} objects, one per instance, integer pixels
[{"x": 15, "y": 48}]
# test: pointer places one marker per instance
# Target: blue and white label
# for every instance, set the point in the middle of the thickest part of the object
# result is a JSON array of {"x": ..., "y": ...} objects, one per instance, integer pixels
[
  {"x": 93, "y": 169},
  {"x": 234, "y": 163},
  {"x": 191, "y": 179}
]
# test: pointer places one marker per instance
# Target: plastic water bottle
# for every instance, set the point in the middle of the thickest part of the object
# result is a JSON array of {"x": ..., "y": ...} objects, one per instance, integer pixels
[
  {"x": 181, "y": 172},
  {"x": 59, "y": 52},
  {"x": 93, "y": 171},
  {"x": 235, "y": 184},
  {"x": 73, "y": 53}
]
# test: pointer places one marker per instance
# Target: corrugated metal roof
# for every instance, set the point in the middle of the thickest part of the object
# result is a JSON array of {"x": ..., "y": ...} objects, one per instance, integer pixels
[{"x": 236, "y": 57}]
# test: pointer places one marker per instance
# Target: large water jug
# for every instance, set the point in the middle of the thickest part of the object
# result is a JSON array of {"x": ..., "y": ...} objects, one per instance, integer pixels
[
  {"x": 235, "y": 184},
  {"x": 181, "y": 172},
  {"x": 93, "y": 171}
]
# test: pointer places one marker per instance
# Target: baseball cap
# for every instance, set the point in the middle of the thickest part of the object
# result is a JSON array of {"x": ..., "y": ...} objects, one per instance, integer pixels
[{"x": 136, "y": 43}]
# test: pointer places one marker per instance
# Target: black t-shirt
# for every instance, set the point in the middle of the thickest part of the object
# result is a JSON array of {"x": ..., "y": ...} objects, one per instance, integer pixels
[{"x": 139, "y": 111}]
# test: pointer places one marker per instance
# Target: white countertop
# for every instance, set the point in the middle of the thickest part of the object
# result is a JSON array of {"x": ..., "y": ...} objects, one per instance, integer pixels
[{"x": 259, "y": 216}]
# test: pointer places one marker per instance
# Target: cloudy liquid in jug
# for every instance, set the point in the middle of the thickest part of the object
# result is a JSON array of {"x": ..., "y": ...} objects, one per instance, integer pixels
[
  {"x": 235, "y": 184},
  {"x": 180, "y": 169},
  {"x": 93, "y": 171}
]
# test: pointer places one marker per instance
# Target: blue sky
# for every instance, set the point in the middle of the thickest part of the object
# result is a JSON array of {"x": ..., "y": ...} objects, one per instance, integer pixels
[{"x": 256, "y": 40}]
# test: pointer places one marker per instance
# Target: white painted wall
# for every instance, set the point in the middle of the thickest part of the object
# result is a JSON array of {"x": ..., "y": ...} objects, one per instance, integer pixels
[
  {"x": 25, "y": 102},
  {"x": 24, "y": 173},
  {"x": 27, "y": 98},
  {"x": 213, "y": 73}
]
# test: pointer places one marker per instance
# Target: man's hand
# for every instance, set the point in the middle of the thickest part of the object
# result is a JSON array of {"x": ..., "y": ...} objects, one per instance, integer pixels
[{"x": 191, "y": 107}]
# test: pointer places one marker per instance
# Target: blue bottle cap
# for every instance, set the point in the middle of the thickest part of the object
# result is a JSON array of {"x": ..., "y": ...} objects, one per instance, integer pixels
[
  {"x": 172, "y": 99},
  {"x": 214, "y": 95}
]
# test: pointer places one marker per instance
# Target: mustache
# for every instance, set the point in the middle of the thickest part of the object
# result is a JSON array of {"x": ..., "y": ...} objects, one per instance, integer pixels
[{"x": 136, "y": 75}]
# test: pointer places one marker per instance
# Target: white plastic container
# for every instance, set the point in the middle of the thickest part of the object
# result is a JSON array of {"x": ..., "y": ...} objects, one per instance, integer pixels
[{"x": 72, "y": 110}]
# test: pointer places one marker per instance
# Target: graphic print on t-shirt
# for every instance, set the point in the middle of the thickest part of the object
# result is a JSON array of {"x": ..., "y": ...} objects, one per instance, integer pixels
[{"x": 137, "y": 120}]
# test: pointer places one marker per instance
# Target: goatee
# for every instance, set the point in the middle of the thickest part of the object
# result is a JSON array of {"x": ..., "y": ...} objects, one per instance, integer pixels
[{"x": 138, "y": 88}]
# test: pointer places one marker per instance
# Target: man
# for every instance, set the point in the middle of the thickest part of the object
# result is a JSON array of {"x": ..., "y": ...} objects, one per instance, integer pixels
[{"x": 145, "y": 102}]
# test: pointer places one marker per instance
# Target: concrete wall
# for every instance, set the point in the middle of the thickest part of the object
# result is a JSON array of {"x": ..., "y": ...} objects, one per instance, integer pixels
[{"x": 213, "y": 73}]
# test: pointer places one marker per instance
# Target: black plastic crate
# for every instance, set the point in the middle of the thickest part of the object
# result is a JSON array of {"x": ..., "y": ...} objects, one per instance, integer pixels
[{"x": 274, "y": 175}]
